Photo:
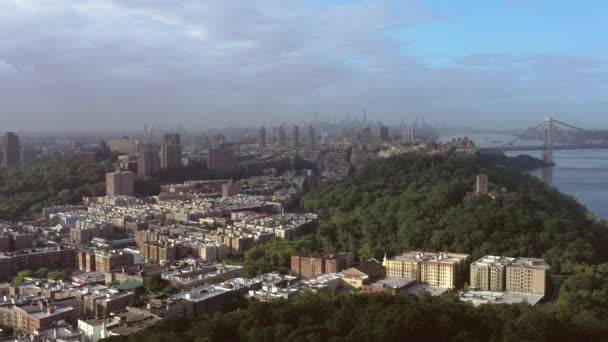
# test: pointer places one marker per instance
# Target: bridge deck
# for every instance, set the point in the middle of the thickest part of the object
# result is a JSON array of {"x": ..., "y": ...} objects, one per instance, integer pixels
[{"x": 555, "y": 147}]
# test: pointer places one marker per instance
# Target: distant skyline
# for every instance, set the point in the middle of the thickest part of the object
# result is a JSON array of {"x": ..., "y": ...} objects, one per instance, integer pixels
[{"x": 100, "y": 65}]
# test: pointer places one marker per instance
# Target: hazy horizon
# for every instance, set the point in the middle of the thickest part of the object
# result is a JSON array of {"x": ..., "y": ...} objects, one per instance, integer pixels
[{"x": 110, "y": 65}]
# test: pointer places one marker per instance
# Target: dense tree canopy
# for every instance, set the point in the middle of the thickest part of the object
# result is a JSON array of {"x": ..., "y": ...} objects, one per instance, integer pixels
[
  {"x": 29, "y": 188},
  {"x": 276, "y": 255},
  {"x": 416, "y": 202}
]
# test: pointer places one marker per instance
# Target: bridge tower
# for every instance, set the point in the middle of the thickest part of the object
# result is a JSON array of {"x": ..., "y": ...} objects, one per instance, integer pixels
[{"x": 548, "y": 139}]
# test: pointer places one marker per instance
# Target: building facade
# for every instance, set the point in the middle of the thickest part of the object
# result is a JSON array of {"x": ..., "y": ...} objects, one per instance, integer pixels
[
  {"x": 262, "y": 137},
  {"x": 148, "y": 161},
  {"x": 504, "y": 274},
  {"x": 295, "y": 136},
  {"x": 312, "y": 266},
  {"x": 221, "y": 160},
  {"x": 171, "y": 152},
  {"x": 446, "y": 270},
  {"x": 11, "y": 149},
  {"x": 120, "y": 183}
]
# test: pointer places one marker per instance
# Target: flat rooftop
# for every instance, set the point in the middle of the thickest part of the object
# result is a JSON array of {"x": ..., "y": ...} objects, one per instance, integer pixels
[
  {"x": 415, "y": 256},
  {"x": 394, "y": 282},
  {"x": 492, "y": 260},
  {"x": 488, "y": 297},
  {"x": 57, "y": 311},
  {"x": 432, "y": 290}
]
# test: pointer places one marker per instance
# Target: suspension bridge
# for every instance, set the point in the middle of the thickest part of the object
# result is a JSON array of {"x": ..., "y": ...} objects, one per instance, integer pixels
[{"x": 549, "y": 126}]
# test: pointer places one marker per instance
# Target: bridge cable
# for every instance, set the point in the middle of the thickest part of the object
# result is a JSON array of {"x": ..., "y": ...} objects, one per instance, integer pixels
[
  {"x": 573, "y": 127},
  {"x": 522, "y": 135}
]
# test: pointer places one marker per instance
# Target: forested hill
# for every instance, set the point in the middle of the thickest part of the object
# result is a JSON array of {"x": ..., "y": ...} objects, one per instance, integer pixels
[
  {"x": 416, "y": 202},
  {"x": 29, "y": 188}
]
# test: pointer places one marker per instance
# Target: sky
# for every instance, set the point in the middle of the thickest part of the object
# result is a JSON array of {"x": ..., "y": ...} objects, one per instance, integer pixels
[{"x": 118, "y": 64}]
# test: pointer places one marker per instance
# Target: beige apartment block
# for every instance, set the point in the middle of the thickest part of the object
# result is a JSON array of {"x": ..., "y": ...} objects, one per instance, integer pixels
[
  {"x": 435, "y": 269},
  {"x": 504, "y": 274},
  {"x": 489, "y": 273},
  {"x": 527, "y": 275}
]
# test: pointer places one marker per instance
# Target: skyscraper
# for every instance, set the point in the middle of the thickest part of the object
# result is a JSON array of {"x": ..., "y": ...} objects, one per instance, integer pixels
[
  {"x": 120, "y": 183},
  {"x": 148, "y": 161},
  {"x": 221, "y": 160},
  {"x": 410, "y": 135},
  {"x": 11, "y": 149},
  {"x": 281, "y": 136},
  {"x": 172, "y": 139},
  {"x": 295, "y": 136},
  {"x": 384, "y": 136},
  {"x": 28, "y": 154},
  {"x": 312, "y": 137},
  {"x": 171, "y": 152},
  {"x": 262, "y": 137}
]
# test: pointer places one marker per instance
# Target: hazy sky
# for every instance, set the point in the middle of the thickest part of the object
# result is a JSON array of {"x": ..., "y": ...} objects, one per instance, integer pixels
[{"x": 104, "y": 64}]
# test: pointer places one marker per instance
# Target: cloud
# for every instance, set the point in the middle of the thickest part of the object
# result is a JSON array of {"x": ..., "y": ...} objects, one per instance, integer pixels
[{"x": 114, "y": 64}]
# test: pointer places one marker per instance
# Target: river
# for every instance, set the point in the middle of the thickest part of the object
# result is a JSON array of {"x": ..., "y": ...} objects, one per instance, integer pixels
[{"x": 580, "y": 173}]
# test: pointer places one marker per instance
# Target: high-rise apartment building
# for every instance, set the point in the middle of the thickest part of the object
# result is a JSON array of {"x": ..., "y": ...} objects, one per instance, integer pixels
[
  {"x": 120, "y": 183},
  {"x": 499, "y": 274},
  {"x": 28, "y": 155},
  {"x": 281, "y": 138},
  {"x": 444, "y": 270},
  {"x": 171, "y": 152},
  {"x": 148, "y": 161},
  {"x": 410, "y": 135},
  {"x": 295, "y": 136},
  {"x": 312, "y": 137},
  {"x": 170, "y": 156},
  {"x": 262, "y": 137},
  {"x": 221, "y": 160},
  {"x": 11, "y": 149},
  {"x": 481, "y": 184},
  {"x": 125, "y": 145},
  {"x": 435, "y": 269},
  {"x": 172, "y": 139},
  {"x": 489, "y": 273},
  {"x": 527, "y": 275},
  {"x": 110, "y": 261},
  {"x": 213, "y": 251},
  {"x": 384, "y": 135},
  {"x": 406, "y": 265},
  {"x": 230, "y": 189},
  {"x": 15, "y": 242}
]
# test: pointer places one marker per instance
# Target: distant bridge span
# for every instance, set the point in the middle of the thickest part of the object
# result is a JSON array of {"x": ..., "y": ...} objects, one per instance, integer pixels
[
  {"x": 548, "y": 146},
  {"x": 556, "y": 147}
]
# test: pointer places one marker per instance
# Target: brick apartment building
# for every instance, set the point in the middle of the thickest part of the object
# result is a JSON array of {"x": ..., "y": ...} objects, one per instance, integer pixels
[
  {"x": 311, "y": 266},
  {"x": 104, "y": 262},
  {"x": 15, "y": 242},
  {"x": 31, "y": 318},
  {"x": 36, "y": 258},
  {"x": 102, "y": 304}
]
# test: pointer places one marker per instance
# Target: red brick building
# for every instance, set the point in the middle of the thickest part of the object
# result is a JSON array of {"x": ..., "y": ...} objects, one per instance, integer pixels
[{"x": 312, "y": 266}]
